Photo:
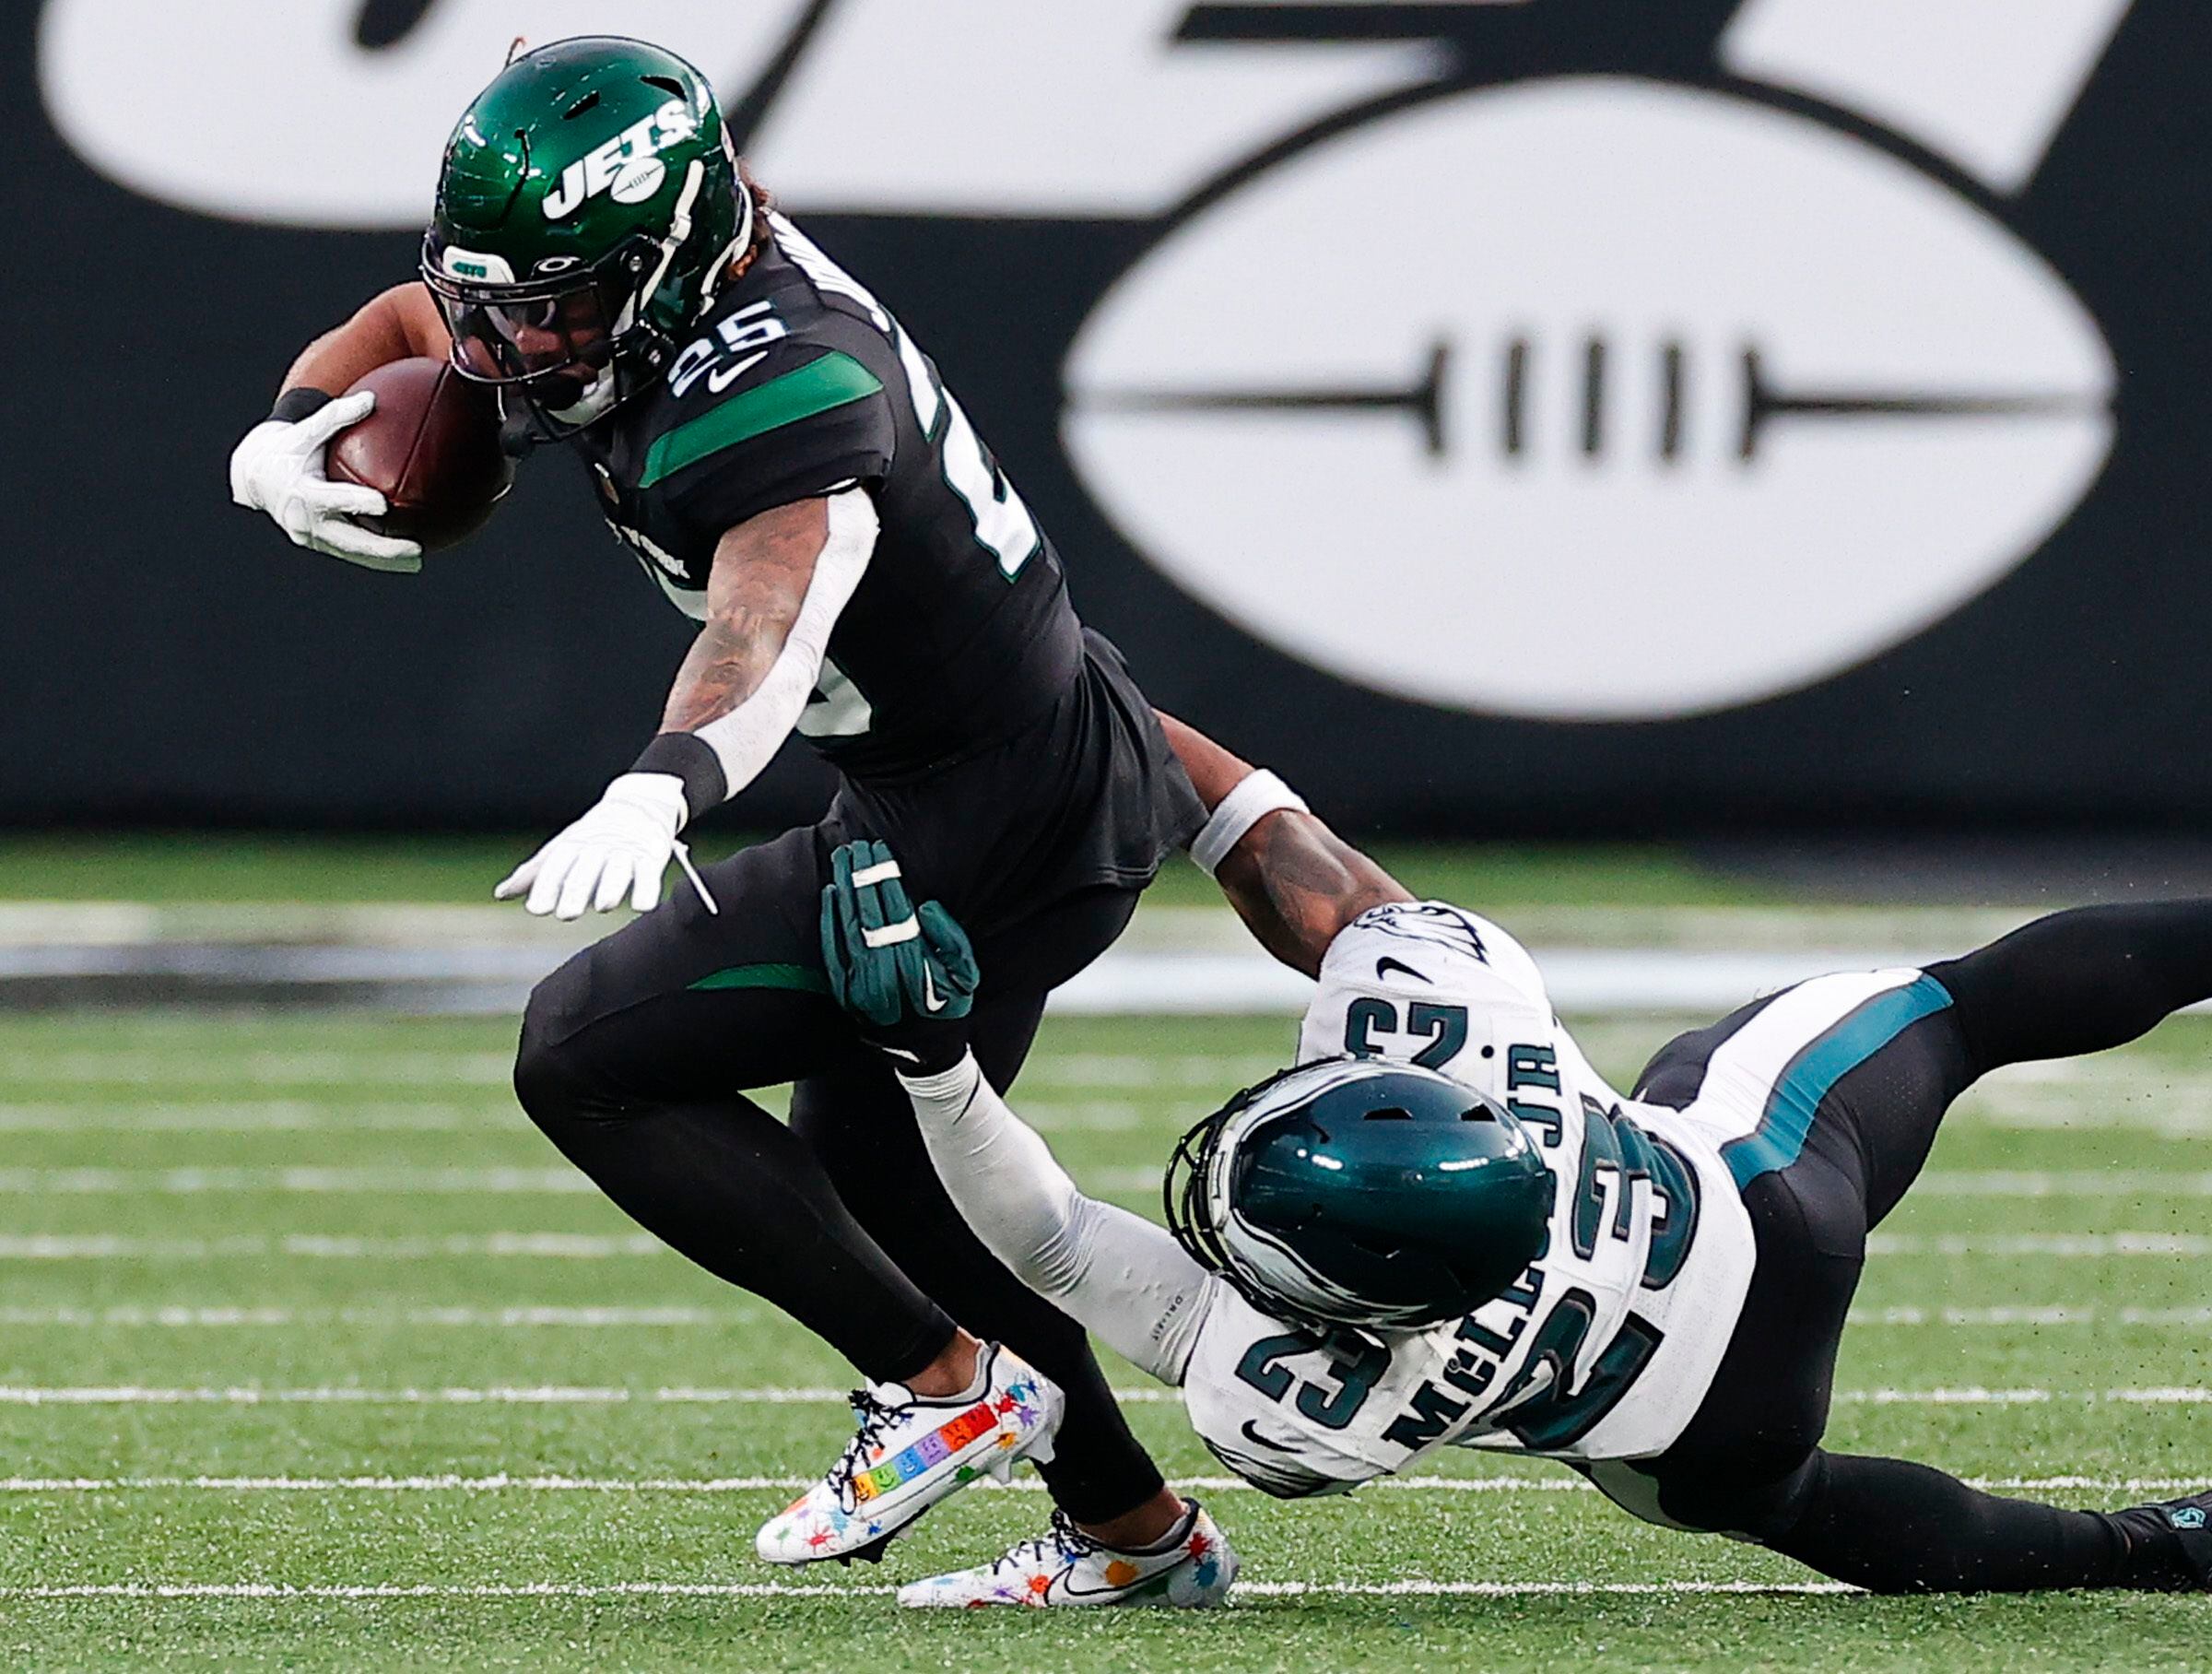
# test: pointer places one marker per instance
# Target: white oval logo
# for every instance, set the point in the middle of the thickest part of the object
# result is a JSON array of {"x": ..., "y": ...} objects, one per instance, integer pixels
[
  {"x": 638, "y": 181},
  {"x": 1589, "y": 399}
]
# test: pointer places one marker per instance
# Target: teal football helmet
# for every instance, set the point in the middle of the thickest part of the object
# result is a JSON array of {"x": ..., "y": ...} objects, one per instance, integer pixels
[
  {"x": 1356, "y": 1193},
  {"x": 588, "y": 205}
]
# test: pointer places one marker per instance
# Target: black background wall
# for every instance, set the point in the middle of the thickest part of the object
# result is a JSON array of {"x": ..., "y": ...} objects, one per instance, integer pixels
[{"x": 167, "y": 658}]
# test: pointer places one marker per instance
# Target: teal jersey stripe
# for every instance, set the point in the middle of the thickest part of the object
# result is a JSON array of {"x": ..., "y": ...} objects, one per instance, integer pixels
[
  {"x": 1788, "y": 1119},
  {"x": 800, "y": 979},
  {"x": 820, "y": 386}
]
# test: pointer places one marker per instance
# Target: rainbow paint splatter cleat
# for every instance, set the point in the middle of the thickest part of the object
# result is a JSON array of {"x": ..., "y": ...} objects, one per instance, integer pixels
[
  {"x": 1194, "y": 1568},
  {"x": 913, "y": 1451}
]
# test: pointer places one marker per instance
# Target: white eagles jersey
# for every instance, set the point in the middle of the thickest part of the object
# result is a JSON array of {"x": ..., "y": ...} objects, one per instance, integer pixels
[{"x": 1606, "y": 1344}]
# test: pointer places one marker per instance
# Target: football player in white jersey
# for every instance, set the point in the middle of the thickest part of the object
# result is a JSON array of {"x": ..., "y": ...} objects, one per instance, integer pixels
[{"x": 1443, "y": 1228}]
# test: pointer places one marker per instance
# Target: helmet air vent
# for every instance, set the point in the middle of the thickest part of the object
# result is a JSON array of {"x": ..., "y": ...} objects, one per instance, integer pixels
[
  {"x": 667, "y": 84},
  {"x": 589, "y": 101},
  {"x": 1477, "y": 1113},
  {"x": 1390, "y": 1113}
]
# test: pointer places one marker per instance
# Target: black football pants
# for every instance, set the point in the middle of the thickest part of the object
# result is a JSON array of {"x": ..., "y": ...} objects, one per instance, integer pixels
[
  {"x": 634, "y": 1060},
  {"x": 1748, "y": 1463}
]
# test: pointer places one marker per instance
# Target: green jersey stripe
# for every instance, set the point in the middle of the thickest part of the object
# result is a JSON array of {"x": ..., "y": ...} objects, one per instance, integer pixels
[
  {"x": 802, "y": 979},
  {"x": 834, "y": 381}
]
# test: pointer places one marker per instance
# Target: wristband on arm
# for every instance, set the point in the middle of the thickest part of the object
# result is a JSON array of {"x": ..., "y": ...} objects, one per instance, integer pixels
[
  {"x": 1257, "y": 795},
  {"x": 302, "y": 403}
]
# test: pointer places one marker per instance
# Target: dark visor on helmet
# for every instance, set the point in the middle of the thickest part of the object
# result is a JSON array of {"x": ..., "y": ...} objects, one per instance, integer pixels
[{"x": 530, "y": 330}]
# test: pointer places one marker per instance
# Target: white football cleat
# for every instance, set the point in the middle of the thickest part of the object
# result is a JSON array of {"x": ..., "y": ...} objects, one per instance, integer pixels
[
  {"x": 1192, "y": 1569},
  {"x": 911, "y": 1451}
]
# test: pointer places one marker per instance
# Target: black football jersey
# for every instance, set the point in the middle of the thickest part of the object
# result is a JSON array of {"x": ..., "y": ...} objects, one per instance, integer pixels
[{"x": 797, "y": 382}]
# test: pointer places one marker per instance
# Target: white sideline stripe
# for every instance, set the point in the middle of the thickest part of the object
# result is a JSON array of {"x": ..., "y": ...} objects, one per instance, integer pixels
[
  {"x": 564, "y": 1395},
  {"x": 784, "y": 1590},
  {"x": 502, "y": 1482},
  {"x": 541, "y": 1317}
]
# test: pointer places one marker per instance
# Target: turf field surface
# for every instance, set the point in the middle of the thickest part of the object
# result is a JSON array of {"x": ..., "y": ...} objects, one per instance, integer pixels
[{"x": 315, "y": 1354}]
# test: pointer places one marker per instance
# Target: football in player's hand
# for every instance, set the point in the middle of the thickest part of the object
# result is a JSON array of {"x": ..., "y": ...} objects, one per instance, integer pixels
[{"x": 432, "y": 448}]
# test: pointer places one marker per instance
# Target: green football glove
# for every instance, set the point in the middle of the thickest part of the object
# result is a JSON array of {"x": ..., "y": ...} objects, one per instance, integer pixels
[{"x": 906, "y": 977}]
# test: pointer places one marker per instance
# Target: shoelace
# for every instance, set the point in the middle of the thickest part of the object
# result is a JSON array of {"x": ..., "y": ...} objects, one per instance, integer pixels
[
  {"x": 683, "y": 860},
  {"x": 1065, "y": 1541},
  {"x": 874, "y": 1417}
]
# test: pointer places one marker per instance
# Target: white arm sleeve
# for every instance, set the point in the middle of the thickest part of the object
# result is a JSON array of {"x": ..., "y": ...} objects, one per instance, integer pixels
[
  {"x": 1116, "y": 1273},
  {"x": 747, "y": 738}
]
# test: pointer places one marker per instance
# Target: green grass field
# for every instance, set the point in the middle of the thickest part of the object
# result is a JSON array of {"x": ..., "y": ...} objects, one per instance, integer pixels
[{"x": 299, "y": 1316}]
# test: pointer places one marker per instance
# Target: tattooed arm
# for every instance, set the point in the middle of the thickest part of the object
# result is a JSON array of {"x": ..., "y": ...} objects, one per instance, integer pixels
[
  {"x": 1293, "y": 881},
  {"x": 762, "y": 569},
  {"x": 779, "y": 582}
]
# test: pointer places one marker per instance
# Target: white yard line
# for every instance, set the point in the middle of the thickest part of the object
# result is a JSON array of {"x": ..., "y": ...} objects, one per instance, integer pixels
[
  {"x": 563, "y": 1394},
  {"x": 545, "y": 1318},
  {"x": 1413, "y": 1588},
  {"x": 2062, "y": 1314},
  {"x": 401, "y": 1180},
  {"x": 2063, "y": 1245},
  {"x": 519, "y": 1318},
  {"x": 118, "y": 1247},
  {"x": 397, "y": 1067},
  {"x": 596, "y": 1246},
  {"x": 376, "y": 1180},
  {"x": 504, "y": 1482},
  {"x": 2062, "y": 1183},
  {"x": 270, "y": 1115}
]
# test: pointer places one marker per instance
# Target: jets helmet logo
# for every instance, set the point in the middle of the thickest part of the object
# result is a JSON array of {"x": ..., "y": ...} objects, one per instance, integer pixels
[{"x": 627, "y": 167}]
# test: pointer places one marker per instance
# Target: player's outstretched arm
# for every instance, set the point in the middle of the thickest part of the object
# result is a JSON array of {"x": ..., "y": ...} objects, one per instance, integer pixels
[
  {"x": 281, "y": 464},
  {"x": 1293, "y": 881},
  {"x": 906, "y": 977},
  {"x": 780, "y": 580}
]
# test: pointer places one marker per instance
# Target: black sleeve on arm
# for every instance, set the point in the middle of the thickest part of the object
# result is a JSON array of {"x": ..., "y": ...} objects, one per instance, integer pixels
[{"x": 692, "y": 760}]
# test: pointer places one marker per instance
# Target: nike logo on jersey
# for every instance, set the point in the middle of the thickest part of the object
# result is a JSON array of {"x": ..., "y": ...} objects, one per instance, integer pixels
[
  {"x": 722, "y": 377},
  {"x": 1385, "y": 965},
  {"x": 1251, "y": 1434}
]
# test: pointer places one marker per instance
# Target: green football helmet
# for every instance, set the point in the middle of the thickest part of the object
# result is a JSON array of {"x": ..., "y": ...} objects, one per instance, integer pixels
[
  {"x": 588, "y": 206},
  {"x": 1356, "y": 1193}
]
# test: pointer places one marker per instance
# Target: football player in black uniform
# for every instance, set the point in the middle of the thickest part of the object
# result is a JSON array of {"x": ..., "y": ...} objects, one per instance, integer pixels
[{"x": 787, "y": 465}]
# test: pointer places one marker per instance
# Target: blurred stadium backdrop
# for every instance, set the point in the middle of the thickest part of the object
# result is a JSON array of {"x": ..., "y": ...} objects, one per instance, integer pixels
[{"x": 1572, "y": 418}]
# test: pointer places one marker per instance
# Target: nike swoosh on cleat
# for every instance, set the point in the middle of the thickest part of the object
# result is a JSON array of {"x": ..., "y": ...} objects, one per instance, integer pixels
[
  {"x": 723, "y": 377},
  {"x": 1385, "y": 965}
]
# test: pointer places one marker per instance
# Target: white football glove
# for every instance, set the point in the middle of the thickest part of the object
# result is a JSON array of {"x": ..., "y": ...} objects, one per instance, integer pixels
[
  {"x": 278, "y": 468},
  {"x": 619, "y": 847}
]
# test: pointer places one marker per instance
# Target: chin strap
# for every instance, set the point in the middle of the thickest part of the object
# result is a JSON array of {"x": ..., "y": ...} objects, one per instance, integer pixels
[{"x": 679, "y": 234}]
